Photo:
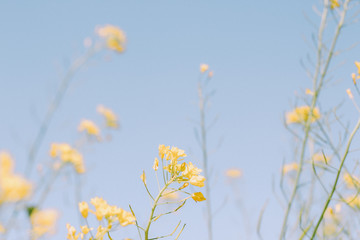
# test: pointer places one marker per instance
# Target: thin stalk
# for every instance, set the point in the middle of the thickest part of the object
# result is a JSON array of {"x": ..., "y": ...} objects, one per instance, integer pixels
[
  {"x": 205, "y": 160},
  {"x": 154, "y": 207},
  {"x": 317, "y": 88},
  {"x": 336, "y": 179},
  {"x": 59, "y": 95}
]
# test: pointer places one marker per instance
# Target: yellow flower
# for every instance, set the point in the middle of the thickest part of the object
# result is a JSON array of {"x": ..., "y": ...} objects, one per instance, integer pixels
[
  {"x": 357, "y": 64},
  {"x": 233, "y": 173},
  {"x": 319, "y": 158},
  {"x": 163, "y": 151},
  {"x": 110, "y": 117},
  {"x": 125, "y": 218},
  {"x": 89, "y": 127},
  {"x": 334, "y": 4},
  {"x": 14, "y": 188},
  {"x": 290, "y": 167},
  {"x": 351, "y": 181},
  {"x": 302, "y": 114},
  {"x": 68, "y": 154},
  {"x": 197, "y": 180},
  {"x": 2, "y": 229},
  {"x": 204, "y": 67},
  {"x": 43, "y": 222},
  {"x": 84, "y": 209},
  {"x": 176, "y": 153},
  {"x": 353, "y": 201},
  {"x": 6, "y": 163},
  {"x": 143, "y": 177},
  {"x": 115, "y": 38},
  {"x": 309, "y": 92},
  {"x": 85, "y": 230},
  {"x": 101, "y": 231},
  {"x": 198, "y": 197},
  {"x": 71, "y": 233},
  {"x": 156, "y": 164}
]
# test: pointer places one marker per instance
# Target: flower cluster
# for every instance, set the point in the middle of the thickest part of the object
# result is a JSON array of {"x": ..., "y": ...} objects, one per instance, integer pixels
[
  {"x": 114, "y": 37},
  {"x": 43, "y": 222},
  {"x": 112, "y": 215},
  {"x": 183, "y": 172},
  {"x": 302, "y": 114},
  {"x": 67, "y": 154},
  {"x": 13, "y": 187}
]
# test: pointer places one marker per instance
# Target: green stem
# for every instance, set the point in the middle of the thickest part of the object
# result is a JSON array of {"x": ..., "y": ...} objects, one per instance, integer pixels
[
  {"x": 154, "y": 207},
  {"x": 336, "y": 179}
]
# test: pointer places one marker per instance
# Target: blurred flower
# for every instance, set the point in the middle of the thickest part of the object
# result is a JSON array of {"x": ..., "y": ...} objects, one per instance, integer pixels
[
  {"x": 334, "y": 4},
  {"x": 84, "y": 209},
  {"x": 290, "y": 167},
  {"x": 115, "y": 38},
  {"x": 309, "y": 92},
  {"x": 319, "y": 158},
  {"x": 302, "y": 114},
  {"x": 67, "y": 154},
  {"x": 143, "y": 177},
  {"x": 110, "y": 117},
  {"x": 197, "y": 180},
  {"x": 43, "y": 222},
  {"x": 351, "y": 181},
  {"x": 156, "y": 164},
  {"x": 72, "y": 233},
  {"x": 353, "y": 201},
  {"x": 204, "y": 67},
  {"x": 2, "y": 229},
  {"x": 198, "y": 197},
  {"x": 233, "y": 173},
  {"x": 90, "y": 127},
  {"x": 13, "y": 187}
]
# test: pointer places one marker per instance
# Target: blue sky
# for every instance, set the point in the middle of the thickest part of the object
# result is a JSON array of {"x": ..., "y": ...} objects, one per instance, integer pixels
[{"x": 254, "y": 49}]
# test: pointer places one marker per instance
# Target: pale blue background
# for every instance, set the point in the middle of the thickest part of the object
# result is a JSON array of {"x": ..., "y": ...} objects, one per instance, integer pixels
[{"x": 254, "y": 48}]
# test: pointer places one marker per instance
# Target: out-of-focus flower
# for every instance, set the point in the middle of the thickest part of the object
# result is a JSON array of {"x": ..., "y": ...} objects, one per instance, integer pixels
[
  {"x": 115, "y": 38},
  {"x": 302, "y": 114},
  {"x": 353, "y": 75},
  {"x": 233, "y": 173},
  {"x": 198, "y": 197},
  {"x": 43, "y": 222},
  {"x": 143, "y": 177},
  {"x": 110, "y": 117},
  {"x": 72, "y": 233},
  {"x": 309, "y": 92},
  {"x": 348, "y": 91},
  {"x": 351, "y": 181},
  {"x": 156, "y": 164},
  {"x": 334, "y": 4},
  {"x": 84, "y": 209},
  {"x": 290, "y": 167},
  {"x": 2, "y": 229},
  {"x": 353, "y": 201},
  {"x": 90, "y": 127},
  {"x": 319, "y": 158},
  {"x": 13, "y": 187},
  {"x": 67, "y": 154},
  {"x": 204, "y": 68}
]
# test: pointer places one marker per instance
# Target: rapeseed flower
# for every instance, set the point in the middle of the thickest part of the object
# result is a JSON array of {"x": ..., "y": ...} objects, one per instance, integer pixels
[
  {"x": 302, "y": 114},
  {"x": 89, "y": 127},
  {"x": 204, "y": 68},
  {"x": 110, "y": 117},
  {"x": 84, "y": 209},
  {"x": 334, "y": 4},
  {"x": 233, "y": 173},
  {"x": 67, "y": 154},
  {"x": 43, "y": 222},
  {"x": 114, "y": 37},
  {"x": 290, "y": 167}
]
